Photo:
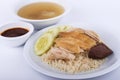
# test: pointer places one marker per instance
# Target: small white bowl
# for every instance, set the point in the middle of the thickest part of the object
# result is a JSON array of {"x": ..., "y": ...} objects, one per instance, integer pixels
[
  {"x": 39, "y": 24},
  {"x": 16, "y": 41}
]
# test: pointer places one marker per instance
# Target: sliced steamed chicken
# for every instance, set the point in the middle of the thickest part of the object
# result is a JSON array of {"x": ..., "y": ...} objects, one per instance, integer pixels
[{"x": 60, "y": 53}]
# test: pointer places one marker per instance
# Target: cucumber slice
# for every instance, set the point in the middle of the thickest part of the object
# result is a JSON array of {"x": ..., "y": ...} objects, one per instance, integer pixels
[
  {"x": 43, "y": 44},
  {"x": 64, "y": 28},
  {"x": 53, "y": 31}
]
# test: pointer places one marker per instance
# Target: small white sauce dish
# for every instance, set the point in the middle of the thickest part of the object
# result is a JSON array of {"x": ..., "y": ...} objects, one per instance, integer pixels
[
  {"x": 18, "y": 40},
  {"x": 39, "y": 24}
]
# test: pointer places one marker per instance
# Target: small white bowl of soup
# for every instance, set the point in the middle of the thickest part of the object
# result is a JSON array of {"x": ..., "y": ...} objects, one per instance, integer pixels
[
  {"x": 16, "y": 33},
  {"x": 42, "y": 14}
]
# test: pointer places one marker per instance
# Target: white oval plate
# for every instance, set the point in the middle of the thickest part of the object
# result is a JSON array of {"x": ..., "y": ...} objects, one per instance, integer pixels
[{"x": 110, "y": 64}]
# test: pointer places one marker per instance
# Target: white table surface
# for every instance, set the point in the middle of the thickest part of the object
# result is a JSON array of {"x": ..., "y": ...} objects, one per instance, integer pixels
[{"x": 85, "y": 12}]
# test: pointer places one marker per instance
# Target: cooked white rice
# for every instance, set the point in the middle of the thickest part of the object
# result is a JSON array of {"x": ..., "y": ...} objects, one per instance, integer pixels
[{"x": 81, "y": 63}]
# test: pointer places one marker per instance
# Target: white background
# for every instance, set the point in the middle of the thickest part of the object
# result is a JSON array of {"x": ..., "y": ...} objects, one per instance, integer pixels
[{"x": 85, "y": 12}]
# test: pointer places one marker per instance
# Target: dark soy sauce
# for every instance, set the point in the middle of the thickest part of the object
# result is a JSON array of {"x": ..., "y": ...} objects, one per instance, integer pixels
[{"x": 14, "y": 32}]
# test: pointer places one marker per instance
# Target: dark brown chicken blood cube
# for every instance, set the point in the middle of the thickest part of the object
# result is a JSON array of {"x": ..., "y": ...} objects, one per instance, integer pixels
[{"x": 99, "y": 51}]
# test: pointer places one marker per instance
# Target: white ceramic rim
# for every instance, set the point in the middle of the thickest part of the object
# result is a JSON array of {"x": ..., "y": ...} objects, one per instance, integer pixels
[
  {"x": 31, "y": 29},
  {"x": 31, "y": 20},
  {"x": 56, "y": 75}
]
